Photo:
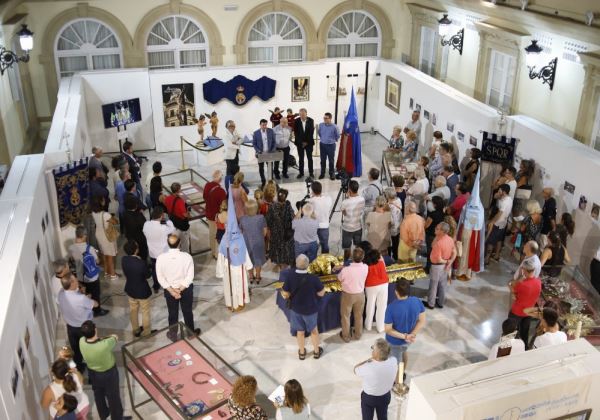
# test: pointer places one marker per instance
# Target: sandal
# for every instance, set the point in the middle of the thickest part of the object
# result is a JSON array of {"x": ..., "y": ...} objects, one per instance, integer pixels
[
  {"x": 258, "y": 279},
  {"x": 302, "y": 356},
  {"x": 318, "y": 353}
]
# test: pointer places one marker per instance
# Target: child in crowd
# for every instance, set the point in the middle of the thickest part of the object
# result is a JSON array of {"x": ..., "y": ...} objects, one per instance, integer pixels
[
  {"x": 263, "y": 207},
  {"x": 221, "y": 220},
  {"x": 65, "y": 407}
]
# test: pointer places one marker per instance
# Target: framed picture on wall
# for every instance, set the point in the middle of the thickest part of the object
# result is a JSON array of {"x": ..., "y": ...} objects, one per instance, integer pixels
[
  {"x": 450, "y": 127},
  {"x": 595, "y": 211},
  {"x": 300, "y": 89},
  {"x": 473, "y": 141},
  {"x": 426, "y": 114},
  {"x": 392, "y": 93},
  {"x": 461, "y": 136},
  {"x": 179, "y": 108},
  {"x": 570, "y": 188},
  {"x": 411, "y": 103}
]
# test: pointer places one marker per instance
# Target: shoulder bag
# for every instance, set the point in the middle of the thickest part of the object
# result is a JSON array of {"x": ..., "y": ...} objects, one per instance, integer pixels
[
  {"x": 111, "y": 231},
  {"x": 179, "y": 223}
]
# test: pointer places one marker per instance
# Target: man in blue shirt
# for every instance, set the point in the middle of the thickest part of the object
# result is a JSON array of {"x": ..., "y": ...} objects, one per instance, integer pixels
[
  {"x": 303, "y": 290},
  {"x": 404, "y": 317},
  {"x": 329, "y": 135},
  {"x": 263, "y": 141}
]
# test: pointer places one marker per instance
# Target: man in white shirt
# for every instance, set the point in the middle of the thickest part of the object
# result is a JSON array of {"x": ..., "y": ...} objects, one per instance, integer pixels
[
  {"x": 352, "y": 211},
  {"x": 531, "y": 250},
  {"x": 61, "y": 269},
  {"x": 322, "y": 209},
  {"x": 156, "y": 230},
  {"x": 283, "y": 134},
  {"x": 414, "y": 125},
  {"x": 497, "y": 225},
  {"x": 231, "y": 142},
  {"x": 508, "y": 344},
  {"x": 175, "y": 272},
  {"x": 378, "y": 374},
  {"x": 552, "y": 334}
]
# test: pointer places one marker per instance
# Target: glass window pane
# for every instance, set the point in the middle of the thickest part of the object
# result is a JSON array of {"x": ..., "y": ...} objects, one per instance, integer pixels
[
  {"x": 288, "y": 54},
  {"x": 108, "y": 61},
  {"x": 159, "y": 33},
  {"x": 72, "y": 64},
  {"x": 193, "y": 58},
  {"x": 337, "y": 51},
  {"x": 110, "y": 42},
  {"x": 169, "y": 25},
  {"x": 257, "y": 55},
  {"x": 161, "y": 59},
  {"x": 365, "y": 50}
]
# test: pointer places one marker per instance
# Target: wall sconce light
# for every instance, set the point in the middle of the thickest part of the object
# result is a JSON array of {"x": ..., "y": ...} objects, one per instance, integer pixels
[
  {"x": 535, "y": 57},
  {"x": 8, "y": 58},
  {"x": 445, "y": 30}
]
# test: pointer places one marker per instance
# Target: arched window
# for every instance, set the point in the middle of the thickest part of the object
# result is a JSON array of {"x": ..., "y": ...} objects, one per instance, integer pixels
[
  {"x": 176, "y": 42},
  {"x": 86, "y": 44},
  {"x": 276, "y": 38},
  {"x": 354, "y": 34}
]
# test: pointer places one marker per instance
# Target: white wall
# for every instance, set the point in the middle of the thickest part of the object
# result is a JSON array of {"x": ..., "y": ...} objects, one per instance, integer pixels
[
  {"x": 247, "y": 117},
  {"x": 111, "y": 86}
]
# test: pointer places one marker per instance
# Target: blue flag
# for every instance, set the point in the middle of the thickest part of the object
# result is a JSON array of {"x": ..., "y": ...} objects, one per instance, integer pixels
[
  {"x": 351, "y": 127},
  {"x": 232, "y": 244}
]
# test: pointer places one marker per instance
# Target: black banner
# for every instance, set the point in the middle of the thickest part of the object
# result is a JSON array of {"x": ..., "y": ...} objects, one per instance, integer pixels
[{"x": 498, "y": 149}]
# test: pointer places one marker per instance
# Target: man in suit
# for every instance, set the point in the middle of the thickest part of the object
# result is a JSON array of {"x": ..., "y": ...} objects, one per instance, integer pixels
[
  {"x": 263, "y": 141},
  {"x": 134, "y": 166},
  {"x": 304, "y": 130},
  {"x": 451, "y": 181}
]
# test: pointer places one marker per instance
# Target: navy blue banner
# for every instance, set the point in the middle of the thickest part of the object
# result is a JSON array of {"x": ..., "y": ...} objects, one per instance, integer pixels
[
  {"x": 498, "y": 149},
  {"x": 239, "y": 90},
  {"x": 72, "y": 192}
]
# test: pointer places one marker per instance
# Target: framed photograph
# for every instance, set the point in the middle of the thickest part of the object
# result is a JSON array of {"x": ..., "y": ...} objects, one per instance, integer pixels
[
  {"x": 300, "y": 89},
  {"x": 179, "y": 108},
  {"x": 450, "y": 127},
  {"x": 461, "y": 136},
  {"x": 473, "y": 141},
  {"x": 433, "y": 119},
  {"x": 418, "y": 107},
  {"x": 392, "y": 93},
  {"x": 595, "y": 211},
  {"x": 426, "y": 114},
  {"x": 582, "y": 203},
  {"x": 411, "y": 103},
  {"x": 14, "y": 381},
  {"x": 570, "y": 188}
]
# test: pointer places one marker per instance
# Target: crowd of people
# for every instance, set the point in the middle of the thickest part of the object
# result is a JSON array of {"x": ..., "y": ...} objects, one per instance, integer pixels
[{"x": 415, "y": 216}]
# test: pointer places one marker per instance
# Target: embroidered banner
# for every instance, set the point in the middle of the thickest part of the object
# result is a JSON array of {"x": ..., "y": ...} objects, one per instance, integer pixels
[
  {"x": 498, "y": 149},
  {"x": 72, "y": 192},
  {"x": 239, "y": 90}
]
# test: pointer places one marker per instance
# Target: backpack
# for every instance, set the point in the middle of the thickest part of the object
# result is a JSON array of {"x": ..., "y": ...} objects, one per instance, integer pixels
[{"x": 90, "y": 268}]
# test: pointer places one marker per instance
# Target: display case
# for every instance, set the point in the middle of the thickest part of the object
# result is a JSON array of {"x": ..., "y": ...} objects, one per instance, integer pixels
[
  {"x": 578, "y": 301},
  {"x": 393, "y": 162},
  {"x": 174, "y": 374}
]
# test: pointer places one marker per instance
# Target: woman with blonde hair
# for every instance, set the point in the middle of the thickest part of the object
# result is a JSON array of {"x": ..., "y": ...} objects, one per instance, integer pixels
[
  {"x": 409, "y": 149},
  {"x": 379, "y": 223},
  {"x": 531, "y": 227},
  {"x": 242, "y": 403},
  {"x": 254, "y": 229},
  {"x": 295, "y": 405},
  {"x": 396, "y": 140},
  {"x": 239, "y": 195}
]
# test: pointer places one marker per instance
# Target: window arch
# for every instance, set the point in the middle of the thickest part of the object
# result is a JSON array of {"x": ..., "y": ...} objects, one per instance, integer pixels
[
  {"x": 276, "y": 38},
  {"x": 86, "y": 44},
  {"x": 354, "y": 34},
  {"x": 177, "y": 42}
]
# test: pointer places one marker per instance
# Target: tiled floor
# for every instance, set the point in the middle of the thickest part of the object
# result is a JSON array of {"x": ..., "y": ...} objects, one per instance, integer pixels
[{"x": 257, "y": 340}]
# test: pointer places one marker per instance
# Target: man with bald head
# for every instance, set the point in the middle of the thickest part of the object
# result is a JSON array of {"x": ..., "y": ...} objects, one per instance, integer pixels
[
  {"x": 175, "y": 273},
  {"x": 213, "y": 195},
  {"x": 412, "y": 233},
  {"x": 303, "y": 290}
]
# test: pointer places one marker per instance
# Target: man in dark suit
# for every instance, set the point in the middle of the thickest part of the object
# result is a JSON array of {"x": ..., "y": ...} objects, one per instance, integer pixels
[
  {"x": 304, "y": 130},
  {"x": 263, "y": 141},
  {"x": 451, "y": 181},
  {"x": 134, "y": 166}
]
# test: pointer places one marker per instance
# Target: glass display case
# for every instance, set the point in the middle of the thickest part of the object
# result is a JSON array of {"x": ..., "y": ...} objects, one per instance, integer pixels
[
  {"x": 577, "y": 300},
  {"x": 174, "y": 374},
  {"x": 393, "y": 163}
]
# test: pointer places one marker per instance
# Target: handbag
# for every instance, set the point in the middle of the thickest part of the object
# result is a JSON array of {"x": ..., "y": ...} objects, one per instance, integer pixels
[
  {"x": 179, "y": 223},
  {"x": 111, "y": 231}
]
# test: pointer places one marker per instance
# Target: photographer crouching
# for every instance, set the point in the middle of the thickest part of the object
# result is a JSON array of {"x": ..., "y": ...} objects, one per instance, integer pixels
[{"x": 305, "y": 227}]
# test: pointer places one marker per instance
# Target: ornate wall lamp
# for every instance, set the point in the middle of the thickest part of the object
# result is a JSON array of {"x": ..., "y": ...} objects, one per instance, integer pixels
[
  {"x": 535, "y": 57},
  {"x": 8, "y": 58},
  {"x": 445, "y": 31}
]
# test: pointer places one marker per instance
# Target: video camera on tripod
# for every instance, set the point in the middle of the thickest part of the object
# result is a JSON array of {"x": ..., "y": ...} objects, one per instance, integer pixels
[{"x": 299, "y": 204}]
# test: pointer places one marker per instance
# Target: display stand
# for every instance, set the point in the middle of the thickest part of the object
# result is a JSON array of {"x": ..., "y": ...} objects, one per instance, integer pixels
[
  {"x": 210, "y": 153},
  {"x": 393, "y": 163},
  {"x": 176, "y": 373},
  {"x": 269, "y": 158}
]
